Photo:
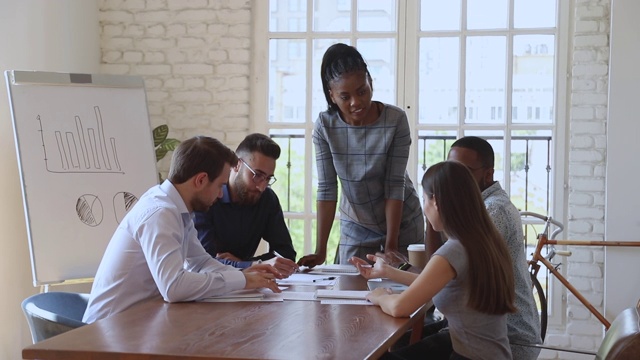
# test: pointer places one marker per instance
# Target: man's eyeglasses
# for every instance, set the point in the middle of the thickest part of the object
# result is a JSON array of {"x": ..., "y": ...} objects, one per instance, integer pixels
[{"x": 258, "y": 178}]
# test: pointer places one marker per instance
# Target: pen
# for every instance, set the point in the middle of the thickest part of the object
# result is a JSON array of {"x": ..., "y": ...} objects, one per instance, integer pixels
[
  {"x": 297, "y": 268},
  {"x": 324, "y": 279}
]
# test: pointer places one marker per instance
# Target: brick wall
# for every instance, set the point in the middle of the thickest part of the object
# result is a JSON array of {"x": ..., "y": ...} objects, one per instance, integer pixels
[
  {"x": 587, "y": 145},
  {"x": 195, "y": 57}
]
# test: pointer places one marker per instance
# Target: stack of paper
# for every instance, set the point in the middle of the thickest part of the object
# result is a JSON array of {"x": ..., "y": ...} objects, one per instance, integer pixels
[
  {"x": 343, "y": 297},
  {"x": 395, "y": 287},
  {"x": 237, "y": 295},
  {"x": 308, "y": 279},
  {"x": 334, "y": 269},
  {"x": 342, "y": 294}
]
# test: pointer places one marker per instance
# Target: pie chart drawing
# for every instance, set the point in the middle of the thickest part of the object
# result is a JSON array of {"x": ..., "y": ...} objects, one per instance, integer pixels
[
  {"x": 89, "y": 209},
  {"x": 123, "y": 202}
]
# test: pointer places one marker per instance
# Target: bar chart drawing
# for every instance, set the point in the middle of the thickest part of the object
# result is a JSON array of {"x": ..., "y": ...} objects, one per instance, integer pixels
[{"x": 80, "y": 150}]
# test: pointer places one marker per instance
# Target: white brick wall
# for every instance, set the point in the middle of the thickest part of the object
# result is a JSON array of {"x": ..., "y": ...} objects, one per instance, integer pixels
[
  {"x": 587, "y": 156},
  {"x": 195, "y": 57}
]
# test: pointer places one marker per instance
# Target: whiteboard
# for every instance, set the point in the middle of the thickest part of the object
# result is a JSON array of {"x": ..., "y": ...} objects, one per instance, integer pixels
[
  {"x": 85, "y": 156},
  {"x": 622, "y": 267}
]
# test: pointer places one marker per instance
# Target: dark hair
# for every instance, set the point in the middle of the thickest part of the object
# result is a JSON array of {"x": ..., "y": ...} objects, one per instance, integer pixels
[
  {"x": 340, "y": 59},
  {"x": 480, "y": 146},
  {"x": 259, "y": 143},
  {"x": 200, "y": 154},
  {"x": 465, "y": 218}
]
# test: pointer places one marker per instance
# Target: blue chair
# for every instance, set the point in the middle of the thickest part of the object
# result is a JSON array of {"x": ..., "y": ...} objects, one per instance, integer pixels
[{"x": 52, "y": 313}]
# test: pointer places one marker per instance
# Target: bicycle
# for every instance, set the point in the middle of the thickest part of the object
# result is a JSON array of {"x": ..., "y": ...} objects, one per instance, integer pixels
[
  {"x": 549, "y": 242},
  {"x": 538, "y": 290}
]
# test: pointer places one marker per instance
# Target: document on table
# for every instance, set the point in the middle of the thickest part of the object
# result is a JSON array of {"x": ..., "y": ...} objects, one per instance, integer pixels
[
  {"x": 309, "y": 279},
  {"x": 237, "y": 295},
  {"x": 345, "y": 302},
  {"x": 342, "y": 294},
  {"x": 245, "y": 295},
  {"x": 299, "y": 295},
  {"x": 342, "y": 297},
  {"x": 395, "y": 287},
  {"x": 343, "y": 269}
]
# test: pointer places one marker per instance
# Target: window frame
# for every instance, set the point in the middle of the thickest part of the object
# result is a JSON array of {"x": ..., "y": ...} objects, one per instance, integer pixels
[{"x": 407, "y": 42}]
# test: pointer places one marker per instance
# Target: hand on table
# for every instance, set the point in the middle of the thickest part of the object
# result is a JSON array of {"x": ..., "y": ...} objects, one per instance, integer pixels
[
  {"x": 312, "y": 260},
  {"x": 375, "y": 295},
  {"x": 262, "y": 276}
]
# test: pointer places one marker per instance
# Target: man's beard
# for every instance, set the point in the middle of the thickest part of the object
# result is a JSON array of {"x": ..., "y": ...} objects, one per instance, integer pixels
[{"x": 243, "y": 195}]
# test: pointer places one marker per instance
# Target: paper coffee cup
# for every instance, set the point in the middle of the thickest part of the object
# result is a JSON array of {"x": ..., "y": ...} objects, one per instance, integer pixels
[{"x": 417, "y": 255}]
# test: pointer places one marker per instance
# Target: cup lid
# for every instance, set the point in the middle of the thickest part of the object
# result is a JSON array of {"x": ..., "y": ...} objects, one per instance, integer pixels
[{"x": 416, "y": 247}]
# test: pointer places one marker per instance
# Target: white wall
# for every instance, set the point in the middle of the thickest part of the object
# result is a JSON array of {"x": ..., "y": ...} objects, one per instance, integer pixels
[
  {"x": 622, "y": 267},
  {"x": 43, "y": 35},
  {"x": 587, "y": 153}
]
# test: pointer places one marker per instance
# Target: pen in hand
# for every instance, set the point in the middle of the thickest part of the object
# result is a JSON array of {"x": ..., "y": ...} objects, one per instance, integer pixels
[
  {"x": 296, "y": 268},
  {"x": 325, "y": 279}
]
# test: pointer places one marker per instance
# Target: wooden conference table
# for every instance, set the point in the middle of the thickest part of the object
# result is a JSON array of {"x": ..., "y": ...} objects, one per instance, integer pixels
[{"x": 241, "y": 330}]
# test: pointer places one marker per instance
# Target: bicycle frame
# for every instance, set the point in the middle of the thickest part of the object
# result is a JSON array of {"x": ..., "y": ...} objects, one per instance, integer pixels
[{"x": 537, "y": 257}]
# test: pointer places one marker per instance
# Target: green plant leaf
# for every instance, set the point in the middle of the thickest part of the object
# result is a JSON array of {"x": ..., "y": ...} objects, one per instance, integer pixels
[
  {"x": 160, "y": 153},
  {"x": 170, "y": 144},
  {"x": 160, "y": 134}
]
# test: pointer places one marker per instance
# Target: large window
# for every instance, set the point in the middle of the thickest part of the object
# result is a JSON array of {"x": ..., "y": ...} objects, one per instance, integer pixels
[{"x": 489, "y": 68}]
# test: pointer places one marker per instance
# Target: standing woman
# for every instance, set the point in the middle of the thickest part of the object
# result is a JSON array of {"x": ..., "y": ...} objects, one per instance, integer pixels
[
  {"x": 366, "y": 145},
  {"x": 470, "y": 278}
]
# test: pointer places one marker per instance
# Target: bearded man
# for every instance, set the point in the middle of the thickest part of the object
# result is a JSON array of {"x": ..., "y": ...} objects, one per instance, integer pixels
[{"x": 248, "y": 212}]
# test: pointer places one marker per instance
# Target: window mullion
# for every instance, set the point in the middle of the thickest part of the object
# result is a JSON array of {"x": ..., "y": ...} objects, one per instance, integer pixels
[
  {"x": 407, "y": 59},
  {"x": 463, "y": 65},
  {"x": 508, "y": 99},
  {"x": 309, "y": 216}
]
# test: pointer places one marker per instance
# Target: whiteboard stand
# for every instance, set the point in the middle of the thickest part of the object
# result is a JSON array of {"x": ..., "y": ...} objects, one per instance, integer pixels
[{"x": 85, "y": 155}]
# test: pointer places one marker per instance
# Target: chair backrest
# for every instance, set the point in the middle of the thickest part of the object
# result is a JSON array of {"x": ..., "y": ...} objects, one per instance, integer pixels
[
  {"x": 622, "y": 340},
  {"x": 53, "y": 313}
]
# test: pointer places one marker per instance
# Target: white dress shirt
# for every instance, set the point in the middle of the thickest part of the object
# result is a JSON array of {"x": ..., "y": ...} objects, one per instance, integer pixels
[{"x": 155, "y": 252}]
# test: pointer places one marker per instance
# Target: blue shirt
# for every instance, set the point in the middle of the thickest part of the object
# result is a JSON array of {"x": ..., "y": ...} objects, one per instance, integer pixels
[{"x": 238, "y": 229}]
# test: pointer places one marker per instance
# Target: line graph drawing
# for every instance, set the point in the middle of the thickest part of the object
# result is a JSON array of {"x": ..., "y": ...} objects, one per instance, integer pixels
[{"x": 80, "y": 148}]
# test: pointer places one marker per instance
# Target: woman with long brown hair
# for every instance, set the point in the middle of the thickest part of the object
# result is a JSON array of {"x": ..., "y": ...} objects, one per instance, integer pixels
[{"x": 469, "y": 279}]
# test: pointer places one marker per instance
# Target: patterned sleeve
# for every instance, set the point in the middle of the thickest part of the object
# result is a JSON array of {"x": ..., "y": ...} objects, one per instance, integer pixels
[
  {"x": 327, "y": 178},
  {"x": 507, "y": 224},
  {"x": 397, "y": 158}
]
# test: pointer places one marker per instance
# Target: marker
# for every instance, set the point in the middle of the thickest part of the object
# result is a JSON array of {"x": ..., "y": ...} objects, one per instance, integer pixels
[{"x": 325, "y": 279}]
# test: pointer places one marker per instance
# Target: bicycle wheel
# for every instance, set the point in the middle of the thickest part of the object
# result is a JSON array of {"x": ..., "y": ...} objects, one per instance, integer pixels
[{"x": 541, "y": 302}]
